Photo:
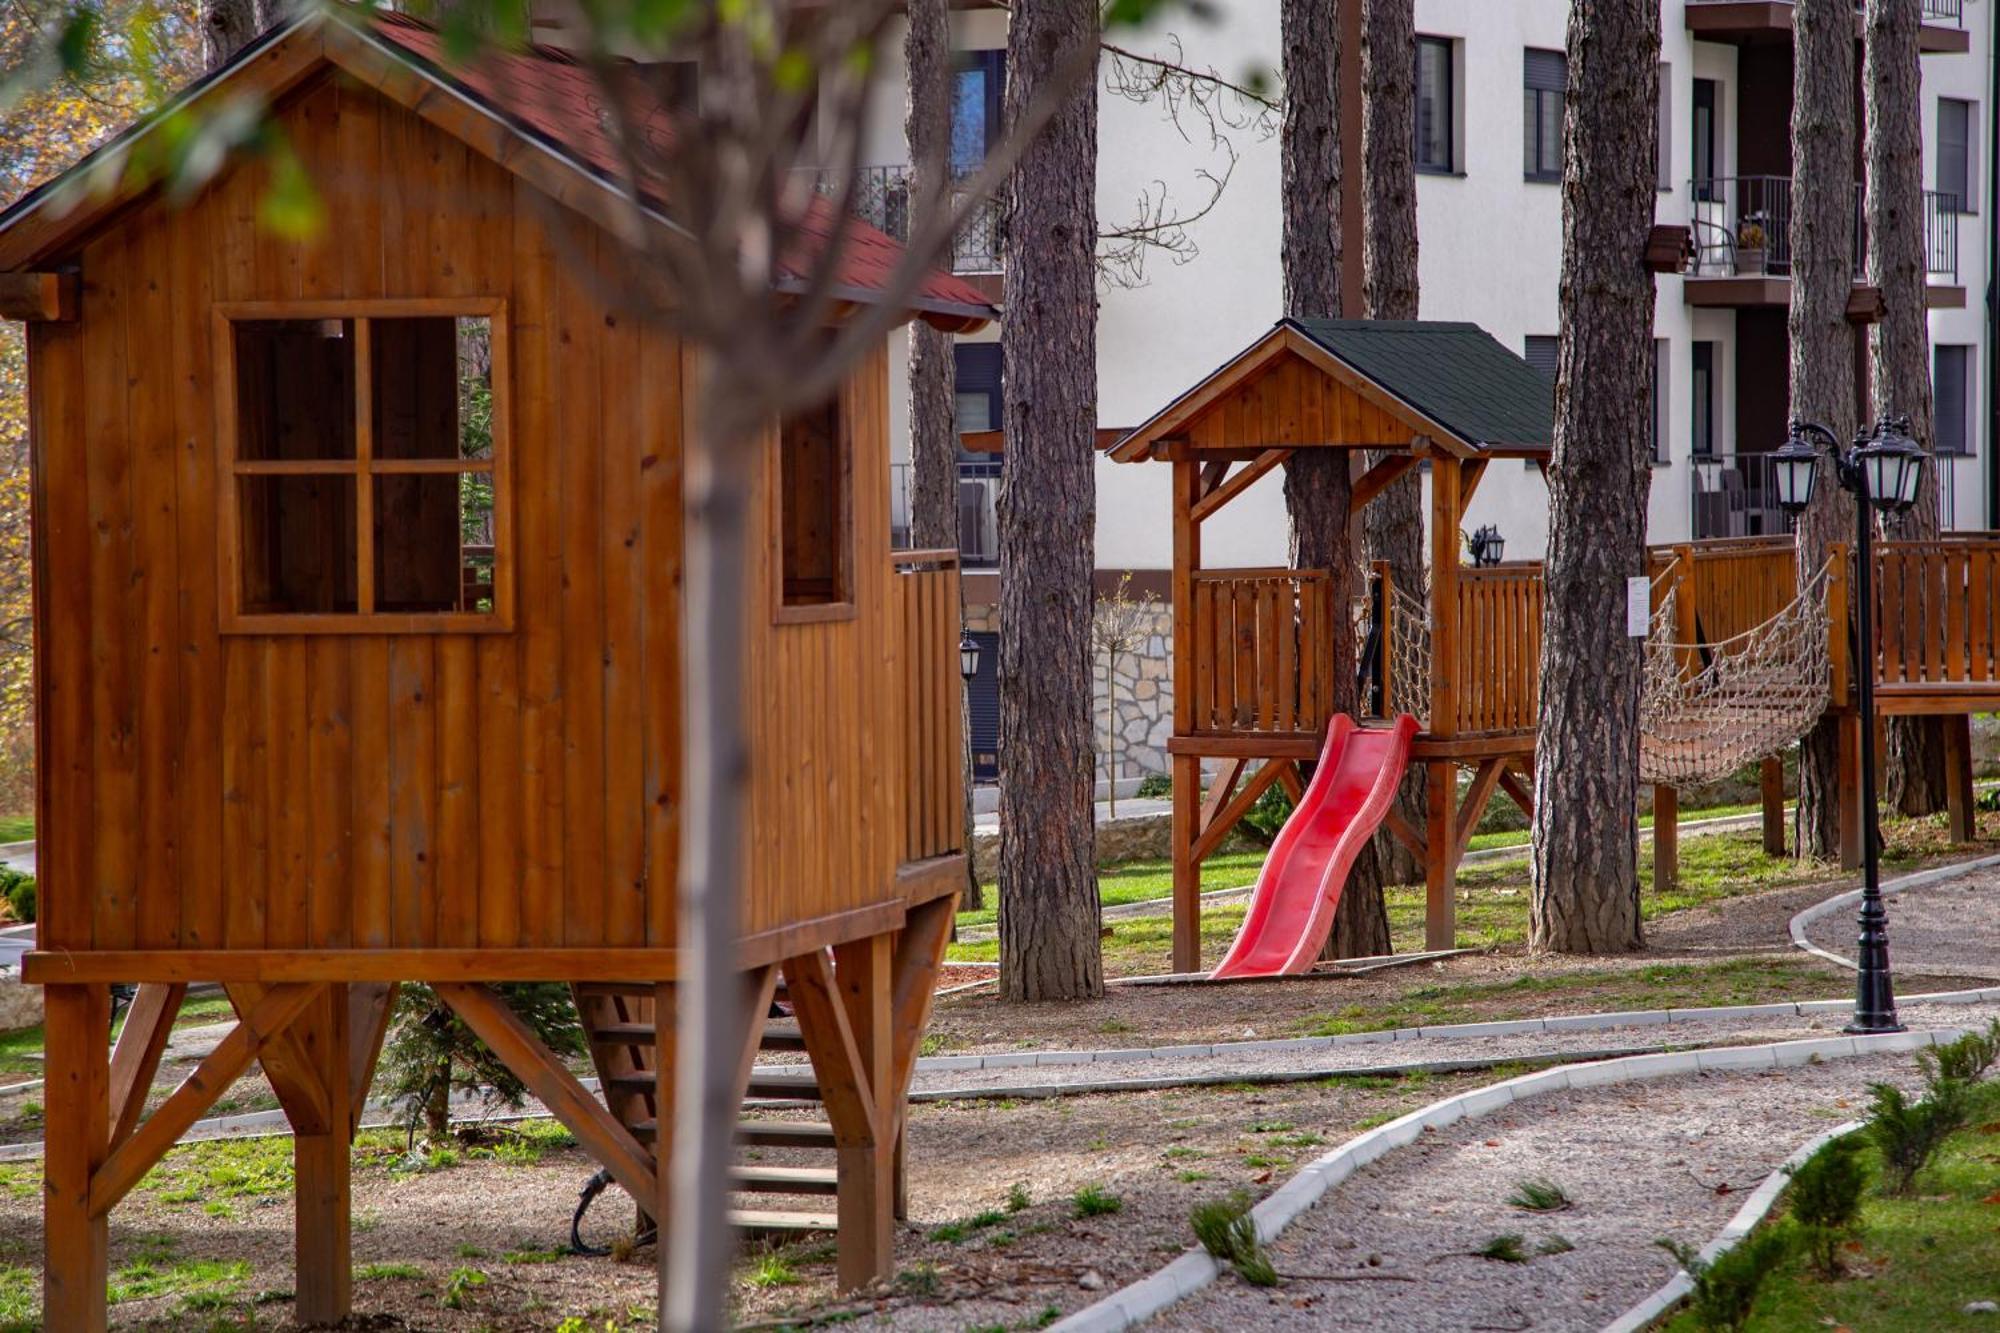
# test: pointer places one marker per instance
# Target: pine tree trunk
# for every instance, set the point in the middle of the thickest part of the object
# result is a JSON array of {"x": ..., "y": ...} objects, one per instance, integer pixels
[
  {"x": 1586, "y": 838},
  {"x": 933, "y": 497},
  {"x": 1901, "y": 372},
  {"x": 1822, "y": 341},
  {"x": 227, "y": 26},
  {"x": 1049, "y": 916},
  {"x": 1318, "y": 483},
  {"x": 437, "y": 1103},
  {"x": 1393, "y": 523}
]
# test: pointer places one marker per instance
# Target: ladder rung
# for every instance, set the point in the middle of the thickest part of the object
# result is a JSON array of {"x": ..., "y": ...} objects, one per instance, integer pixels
[
  {"x": 604, "y": 989},
  {"x": 624, "y": 1034},
  {"x": 801, "y": 1087},
  {"x": 782, "y": 1037},
  {"x": 785, "y": 1134}
]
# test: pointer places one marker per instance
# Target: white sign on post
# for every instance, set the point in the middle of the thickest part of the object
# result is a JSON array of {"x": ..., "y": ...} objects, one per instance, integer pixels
[{"x": 1638, "y": 606}]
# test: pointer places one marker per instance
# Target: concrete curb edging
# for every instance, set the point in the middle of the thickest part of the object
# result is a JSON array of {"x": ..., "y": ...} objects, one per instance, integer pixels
[
  {"x": 1753, "y": 1211},
  {"x": 1917, "y": 880},
  {"x": 1132, "y": 1305}
]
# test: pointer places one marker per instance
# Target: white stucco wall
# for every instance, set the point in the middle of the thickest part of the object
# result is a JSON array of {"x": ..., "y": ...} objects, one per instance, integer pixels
[{"x": 1490, "y": 253}]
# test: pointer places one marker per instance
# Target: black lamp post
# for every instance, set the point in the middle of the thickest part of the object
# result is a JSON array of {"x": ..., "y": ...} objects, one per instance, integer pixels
[
  {"x": 968, "y": 656},
  {"x": 1884, "y": 470},
  {"x": 1487, "y": 546}
]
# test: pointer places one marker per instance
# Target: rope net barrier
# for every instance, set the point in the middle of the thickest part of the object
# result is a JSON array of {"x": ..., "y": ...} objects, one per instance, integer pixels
[{"x": 1706, "y": 709}]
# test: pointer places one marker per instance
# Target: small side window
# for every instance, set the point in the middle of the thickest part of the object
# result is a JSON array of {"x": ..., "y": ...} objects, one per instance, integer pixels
[{"x": 815, "y": 520}]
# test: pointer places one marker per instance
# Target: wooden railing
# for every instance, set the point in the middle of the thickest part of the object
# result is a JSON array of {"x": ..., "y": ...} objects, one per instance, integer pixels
[
  {"x": 1262, "y": 650},
  {"x": 1935, "y": 617},
  {"x": 1728, "y": 586},
  {"x": 924, "y": 607},
  {"x": 1497, "y": 669}
]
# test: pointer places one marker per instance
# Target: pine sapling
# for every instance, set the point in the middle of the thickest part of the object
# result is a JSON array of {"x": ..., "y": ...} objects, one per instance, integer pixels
[
  {"x": 1826, "y": 1200},
  {"x": 1228, "y": 1232}
]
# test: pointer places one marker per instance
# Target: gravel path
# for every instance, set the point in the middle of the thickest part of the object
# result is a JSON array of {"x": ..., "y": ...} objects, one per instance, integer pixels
[
  {"x": 1953, "y": 926},
  {"x": 1300, "y": 1059},
  {"x": 1639, "y": 1162}
]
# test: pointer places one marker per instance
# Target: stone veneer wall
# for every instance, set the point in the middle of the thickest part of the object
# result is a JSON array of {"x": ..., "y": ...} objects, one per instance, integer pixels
[{"x": 1141, "y": 712}]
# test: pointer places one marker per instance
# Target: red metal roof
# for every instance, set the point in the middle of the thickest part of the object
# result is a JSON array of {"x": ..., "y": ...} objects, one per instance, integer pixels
[{"x": 550, "y": 96}]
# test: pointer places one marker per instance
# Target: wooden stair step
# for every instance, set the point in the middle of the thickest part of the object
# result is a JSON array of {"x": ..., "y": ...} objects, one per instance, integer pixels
[
  {"x": 782, "y": 1036},
  {"x": 786, "y": 1179},
  {"x": 624, "y": 1034},
  {"x": 762, "y": 1133},
  {"x": 800, "y": 1086},
  {"x": 758, "y": 1220}
]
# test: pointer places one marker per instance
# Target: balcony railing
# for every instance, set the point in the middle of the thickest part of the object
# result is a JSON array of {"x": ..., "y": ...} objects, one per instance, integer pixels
[
  {"x": 882, "y": 196},
  {"x": 1933, "y": 11},
  {"x": 1743, "y": 228},
  {"x": 1736, "y": 495},
  {"x": 978, "y": 520}
]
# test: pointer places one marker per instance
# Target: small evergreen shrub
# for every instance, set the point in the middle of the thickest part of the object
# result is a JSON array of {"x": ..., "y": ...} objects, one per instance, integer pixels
[
  {"x": 1226, "y": 1230},
  {"x": 1539, "y": 1196},
  {"x": 1726, "y": 1288},
  {"x": 1095, "y": 1201},
  {"x": 1826, "y": 1200},
  {"x": 1909, "y": 1133},
  {"x": 431, "y": 1052},
  {"x": 1267, "y": 815},
  {"x": 1965, "y": 1060},
  {"x": 1154, "y": 787},
  {"x": 19, "y": 891}
]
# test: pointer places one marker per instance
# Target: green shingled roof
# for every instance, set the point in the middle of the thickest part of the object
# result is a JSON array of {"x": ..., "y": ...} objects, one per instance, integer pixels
[{"x": 1455, "y": 374}]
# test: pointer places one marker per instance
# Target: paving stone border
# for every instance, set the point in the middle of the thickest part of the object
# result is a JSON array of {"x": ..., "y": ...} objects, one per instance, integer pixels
[
  {"x": 1852, "y": 898},
  {"x": 1754, "y": 1210},
  {"x": 1133, "y": 1305}
]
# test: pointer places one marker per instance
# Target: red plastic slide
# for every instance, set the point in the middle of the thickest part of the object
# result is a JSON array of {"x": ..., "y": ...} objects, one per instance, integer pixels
[{"x": 1292, "y": 910}]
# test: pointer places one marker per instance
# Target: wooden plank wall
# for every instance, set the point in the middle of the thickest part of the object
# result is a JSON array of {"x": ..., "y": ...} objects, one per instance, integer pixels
[
  {"x": 1292, "y": 403},
  {"x": 507, "y": 790},
  {"x": 1499, "y": 648},
  {"x": 1262, "y": 655},
  {"x": 930, "y": 698}
]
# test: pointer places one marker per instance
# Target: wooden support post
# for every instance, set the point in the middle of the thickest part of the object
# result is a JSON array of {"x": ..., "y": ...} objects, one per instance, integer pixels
[
  {"x": 1771, "y": 782},
  {"x": 321, "y": 1216},
  {"x": 1958, "y": 778},
  {"x": 866, "y": 1203},
  {"x": 1849, "y": 768},
  {"x": 77, "y": 1097},
  {"x": 136, "y": 1058},
  {"x": 1666, "y": 837},
  {"x": 1187, "y": 871},
  {"x": 1441, "y": 861}
]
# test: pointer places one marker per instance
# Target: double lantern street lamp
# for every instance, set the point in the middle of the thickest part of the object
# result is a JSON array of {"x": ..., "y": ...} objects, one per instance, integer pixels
[{"x": 1884, "y": 470}]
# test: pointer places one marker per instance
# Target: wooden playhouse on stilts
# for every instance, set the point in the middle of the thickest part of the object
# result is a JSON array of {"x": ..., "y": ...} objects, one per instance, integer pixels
[
  {"x": 1744, "y": 654},
  {"x": 1253, "y": 652},
  {"x": 359, "y": 648}
]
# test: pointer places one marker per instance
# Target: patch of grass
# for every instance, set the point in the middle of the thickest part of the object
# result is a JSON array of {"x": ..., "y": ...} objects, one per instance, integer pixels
[
  {"x": 20, "y": 1298},
  {"x": 1556, "y": 1245},
  {"x": 1191, "y": 1177},
  {"x": 223, "y": 1169},
  {"x": 1094, "y": 1201},
  {"x": 1017, "y": 1198},
  {"x": 922, "y": 1281},
  {"x": 1539, "y": 1196},
  {"x": 1368, "y": 1122},
  {"x": 1508, "y": 1248},
  {"x": 1269, "y": 1126},
  {"x": 530, "y": 1256},
  {"x": 388, "y": 1272},
  {"x": 471, "y": 1252},
  {"x": 16, "y": 1047},
  {"x": 16, "y": 828},
  {"x": 774, "y": 1270},
  {"x": 21, "y": 1180},
  {"x": 146, "y": 1279},
  {"x": 459, "y": 1287}
]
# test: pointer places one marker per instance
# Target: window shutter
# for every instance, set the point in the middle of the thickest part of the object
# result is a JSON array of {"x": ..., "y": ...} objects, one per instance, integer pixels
[
  {"x": 1546, "y": 71},
  {"x": 1954, "y": 151},
  {"x": 1948, "y": 388},
  {"x": 1540, "y": 351}
]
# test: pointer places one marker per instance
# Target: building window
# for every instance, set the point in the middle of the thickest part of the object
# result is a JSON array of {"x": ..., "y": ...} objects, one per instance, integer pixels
[
  {"x": 1662, "y": 446},
  {"x": 1701, "y": 406},
  {"x": 1435, "y": 122},
  {"x": 1540, "y": 350},
  {"x": 1957, "y": 154},
  {"x": 364, "y": 457},
  {"x": 1702, "y": 141},
  {"x": 815, "y": 514},
  {"x": 979, "y": 82},
  {"x": 1951, "y": 390},
  {"x": 1546, "y": 74}
]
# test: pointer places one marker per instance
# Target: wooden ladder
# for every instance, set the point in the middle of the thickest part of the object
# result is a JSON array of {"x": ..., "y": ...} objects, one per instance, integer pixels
[{"x": 618, "y": 1021}]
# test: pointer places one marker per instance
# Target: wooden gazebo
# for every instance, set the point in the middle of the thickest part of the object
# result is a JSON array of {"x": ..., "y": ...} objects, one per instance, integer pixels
[{"x": 1253, "y": 660}]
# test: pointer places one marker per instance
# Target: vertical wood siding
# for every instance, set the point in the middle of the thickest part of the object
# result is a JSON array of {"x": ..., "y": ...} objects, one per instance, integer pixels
[{"x": 445, "y": 790}]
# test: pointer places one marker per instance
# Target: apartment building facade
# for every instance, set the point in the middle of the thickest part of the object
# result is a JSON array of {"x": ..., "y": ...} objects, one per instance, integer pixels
[{"x": 1489, "y": 221}]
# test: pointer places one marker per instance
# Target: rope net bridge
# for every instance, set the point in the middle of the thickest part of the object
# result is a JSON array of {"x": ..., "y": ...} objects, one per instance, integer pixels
[{"x": 1707, "y": 709}]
